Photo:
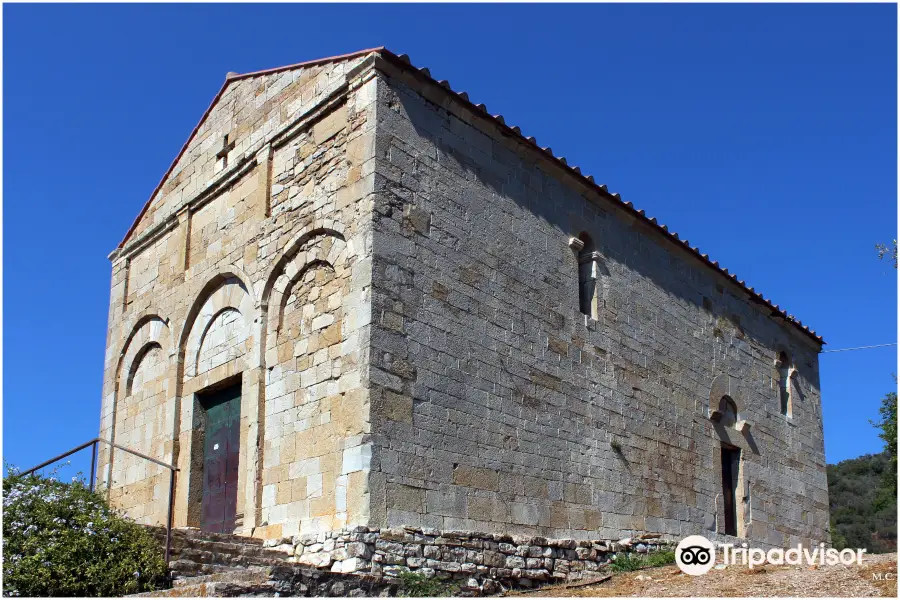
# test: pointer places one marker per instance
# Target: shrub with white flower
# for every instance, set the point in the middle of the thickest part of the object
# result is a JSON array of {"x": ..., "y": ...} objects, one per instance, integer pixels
[{"x": 61, "y": 539}]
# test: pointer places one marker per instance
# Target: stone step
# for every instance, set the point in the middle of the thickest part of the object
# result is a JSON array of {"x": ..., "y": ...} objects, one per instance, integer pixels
[
  {"x": 215, "y": 589},
  {"x": 207, "y": 564},
  {"x": 249, "y": 574},
  {"x": 195, "y": 552},
  {"x": 223, "y": 548},
  {"x": 190, "y": 533},
  {"x": 223, "y": 582},
  {"x": 227, "y": 559},
  {"x": 186, "y": 569}
]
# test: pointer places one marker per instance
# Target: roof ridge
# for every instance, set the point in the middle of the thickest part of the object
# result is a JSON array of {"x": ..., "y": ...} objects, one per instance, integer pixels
[{"x": 307, "y": 63}]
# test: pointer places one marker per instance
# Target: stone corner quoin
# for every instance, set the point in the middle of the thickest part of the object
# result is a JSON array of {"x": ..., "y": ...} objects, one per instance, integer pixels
[{"x": 356, "y": 301}]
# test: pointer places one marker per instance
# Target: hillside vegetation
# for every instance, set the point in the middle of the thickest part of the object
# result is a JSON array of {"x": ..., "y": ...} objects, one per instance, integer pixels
[{"x": 863, "y": 505}]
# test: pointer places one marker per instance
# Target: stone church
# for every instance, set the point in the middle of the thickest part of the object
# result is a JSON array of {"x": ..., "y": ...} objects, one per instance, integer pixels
[{"x": 358, "y": 298}]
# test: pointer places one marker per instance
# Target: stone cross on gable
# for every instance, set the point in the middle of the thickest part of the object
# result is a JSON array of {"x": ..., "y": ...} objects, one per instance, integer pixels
[{"x": 223, "y": 153}]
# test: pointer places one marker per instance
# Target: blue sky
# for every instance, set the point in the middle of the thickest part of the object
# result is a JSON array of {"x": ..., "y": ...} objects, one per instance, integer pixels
[{"x": 765, "y": 134}]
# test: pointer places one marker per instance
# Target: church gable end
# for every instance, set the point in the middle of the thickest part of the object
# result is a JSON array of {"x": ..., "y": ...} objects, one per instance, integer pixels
[{"x": 240, "y": 302}]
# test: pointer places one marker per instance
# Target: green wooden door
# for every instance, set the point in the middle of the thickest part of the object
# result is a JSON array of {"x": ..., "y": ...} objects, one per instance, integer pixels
[{"x": 221, "y": 449}]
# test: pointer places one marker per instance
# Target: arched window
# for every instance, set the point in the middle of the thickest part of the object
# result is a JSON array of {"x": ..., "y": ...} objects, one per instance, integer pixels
[
  {"x": 588, "y": 274},
  {"x": 785, "y": 372},
  {"x": 727, "y": 413}
]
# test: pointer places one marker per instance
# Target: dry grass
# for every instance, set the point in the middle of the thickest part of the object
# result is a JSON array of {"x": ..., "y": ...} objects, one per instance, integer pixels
[{"x": 767, "y": 581}]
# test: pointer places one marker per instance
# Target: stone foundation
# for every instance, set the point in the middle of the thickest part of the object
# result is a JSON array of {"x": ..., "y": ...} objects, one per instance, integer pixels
[
  {"x": 478, "y": 562},
  {"x": 296, "y": 581}
]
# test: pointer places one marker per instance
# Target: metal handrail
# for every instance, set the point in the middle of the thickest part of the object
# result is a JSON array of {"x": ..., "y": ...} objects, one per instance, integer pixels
[{"x": 94, "y": 442}]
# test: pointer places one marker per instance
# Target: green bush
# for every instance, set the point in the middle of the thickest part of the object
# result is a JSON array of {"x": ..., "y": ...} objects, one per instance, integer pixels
[
  {"x": 632, "y": 561},
  {"x": 61, "y": 539},
  {"x": 417, "y": 585},
  {"x": 626, "y": 561},
  {"x": 661, "y": 558}
]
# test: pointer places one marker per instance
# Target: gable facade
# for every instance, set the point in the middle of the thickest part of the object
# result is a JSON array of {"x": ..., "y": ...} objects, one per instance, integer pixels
[{"x": 233, "y": 263}]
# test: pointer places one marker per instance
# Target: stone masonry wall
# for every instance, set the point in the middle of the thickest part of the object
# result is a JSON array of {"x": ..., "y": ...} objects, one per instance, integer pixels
[
  {"x": 498, "y": 406},
  {"x": 477, "y": 561},
  {"x": 252, "y": 268}
]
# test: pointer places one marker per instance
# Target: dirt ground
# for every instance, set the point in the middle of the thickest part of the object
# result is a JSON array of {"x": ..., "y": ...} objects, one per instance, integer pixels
[{"x": 669, "y": 581}]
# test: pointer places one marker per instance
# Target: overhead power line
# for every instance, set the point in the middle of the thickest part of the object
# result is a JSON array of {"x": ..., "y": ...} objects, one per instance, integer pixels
[{"x": 860, "y": 348}]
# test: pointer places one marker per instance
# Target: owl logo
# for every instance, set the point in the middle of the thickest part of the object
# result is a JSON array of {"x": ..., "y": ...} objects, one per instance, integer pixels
[{"x": 695, "y": 555}]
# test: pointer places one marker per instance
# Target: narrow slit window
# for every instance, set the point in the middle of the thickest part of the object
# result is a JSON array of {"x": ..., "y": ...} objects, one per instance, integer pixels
[
  {"x": 731, "y": 464},
  {"x": 785, "y": 372},
  {"x": 588, "y": 275}
]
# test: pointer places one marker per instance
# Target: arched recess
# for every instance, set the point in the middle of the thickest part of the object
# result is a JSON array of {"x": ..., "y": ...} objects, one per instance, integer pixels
[
  {"x": 723, "y": 386},
  {"x": 324, "y": 251},
  {"x": 727, "y": 413},
  {"x": 202, "y": 294},
  {"x": 224, "y": 321},
  {"x": 293, "y": 259},
  {"x": 302, "y": 312},
  {"x": 319, "y": 227},
  {"x": 144, "y": 367},
  {"x": 214, "y": 349},
  {"x": 139, "y": 416},
  {"x": 148, "y": 330},
  {"x": 134, "y": 324}
]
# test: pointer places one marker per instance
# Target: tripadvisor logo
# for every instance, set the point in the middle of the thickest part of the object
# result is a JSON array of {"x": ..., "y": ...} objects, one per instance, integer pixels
[{"x": 696, "y": 555}]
